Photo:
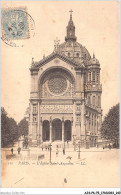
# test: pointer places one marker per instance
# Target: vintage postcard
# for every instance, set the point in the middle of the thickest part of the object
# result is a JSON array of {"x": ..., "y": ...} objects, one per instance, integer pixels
[{"x": 60, "y": 94}]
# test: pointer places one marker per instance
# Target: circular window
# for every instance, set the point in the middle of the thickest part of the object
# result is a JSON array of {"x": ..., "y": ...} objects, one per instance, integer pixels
[{"x": 57, "y": 84}]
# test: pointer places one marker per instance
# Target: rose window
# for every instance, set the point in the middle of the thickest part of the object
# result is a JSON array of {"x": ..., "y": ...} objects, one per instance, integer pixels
[{"x": 57, "y": 84}]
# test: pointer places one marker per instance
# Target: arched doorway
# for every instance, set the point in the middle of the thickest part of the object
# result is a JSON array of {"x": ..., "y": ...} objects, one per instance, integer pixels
[
  {"x": 46, "y": 131},
  {"x": 56, "y": 130},
  {"x": 67, "y": 130}
]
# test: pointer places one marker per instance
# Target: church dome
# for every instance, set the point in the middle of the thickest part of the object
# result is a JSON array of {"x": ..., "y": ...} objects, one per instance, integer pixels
[
  {"x": 75, "y": 51},
  {"x": 94, "y": 61},
  {"x": 71, "y": 48}
]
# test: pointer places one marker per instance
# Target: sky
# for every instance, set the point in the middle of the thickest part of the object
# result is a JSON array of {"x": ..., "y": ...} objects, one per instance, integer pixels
[{"x": 97, "y": 28}]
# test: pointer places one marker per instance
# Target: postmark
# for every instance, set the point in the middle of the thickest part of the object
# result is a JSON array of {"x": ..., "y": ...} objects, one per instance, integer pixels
[{"x": 16, "y": 25}]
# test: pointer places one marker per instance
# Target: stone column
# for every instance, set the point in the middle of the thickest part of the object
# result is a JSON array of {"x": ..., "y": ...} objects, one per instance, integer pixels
[
  {"x": 91, "y": 122},
  {"x": 50, "y": 129},
  {"x": 71, "y": 129},
  {"x": 40, "y": 130},
  {"x": 38, "y": 123},
  {"x": 63, "y": 129},
  {"x": 83, "y": 119},
  {"x": 83, "y": 123},
  {"x": 78, "y": 81},
  {"x": 82, "y": 81},
  {"x": 30, "y": 122},
  {"x": 96, "y": 124}
]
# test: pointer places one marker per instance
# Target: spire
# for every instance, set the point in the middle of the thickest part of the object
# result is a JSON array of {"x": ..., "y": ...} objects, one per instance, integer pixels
[
  {"x": 71, "y": 14},
  {"x": 70, "y": 29},
  {"x": 32, "y": 63},
  {"x": 93, "y": 55}
]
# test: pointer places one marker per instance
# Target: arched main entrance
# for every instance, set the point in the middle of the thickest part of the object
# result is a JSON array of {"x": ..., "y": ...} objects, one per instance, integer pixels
[
  {"x": 56, "y": 130},
  {"x": 46, "y": 130},
  {"x": 67, "y": 130}
]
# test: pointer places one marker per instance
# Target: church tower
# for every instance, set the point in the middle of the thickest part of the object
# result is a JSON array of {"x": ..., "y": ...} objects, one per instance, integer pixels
[
  {"x": 65, "y": 97},
  {"x": 70, "y": 30}
]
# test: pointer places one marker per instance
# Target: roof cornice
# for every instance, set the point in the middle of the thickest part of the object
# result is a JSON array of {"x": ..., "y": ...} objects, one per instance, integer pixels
[{"x": 53, "y": 55}]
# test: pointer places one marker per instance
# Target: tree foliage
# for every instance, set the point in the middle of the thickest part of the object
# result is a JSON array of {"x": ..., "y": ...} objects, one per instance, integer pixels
[
  {"x": 110, "y": 125},
  {"x": 23, "y": 127},
  {"x": 10, "y": 131}
]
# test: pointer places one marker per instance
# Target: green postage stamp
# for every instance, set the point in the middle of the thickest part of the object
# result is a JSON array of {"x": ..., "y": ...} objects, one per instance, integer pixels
[{"x": 15, "y": 23}]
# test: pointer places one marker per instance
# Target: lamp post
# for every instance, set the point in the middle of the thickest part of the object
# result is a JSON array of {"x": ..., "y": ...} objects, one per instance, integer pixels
[
  {"x": 63, "y": 138},
  {"x": 87, "y": 132},
  {"x": 74, "y": 142},
  {"x": 79, "y": 150},
  {"x": 50, "y": 151},
  {"x": 40, "y": 132},
  {"x": 39, "y": 141}
]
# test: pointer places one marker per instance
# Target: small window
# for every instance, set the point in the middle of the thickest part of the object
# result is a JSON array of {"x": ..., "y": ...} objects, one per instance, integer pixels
[
  {"x": 93, "y": 101},
  {"x": 89, "y": 100},
  {"x": 92, "y": 120},
  {"x": 93, "y": 76},
  {"x": 77, "y": 54},
  {"x": 98, "y": 101},
  {"x": 97, "y": 76},
  {"x": 34, "y": 107},
  {"x": 95, "y": 120},
  {"x": 34, "y": 117},
  {"x": 89, "y": 120},
  {"x": 68, "y": 54},
  {"x": 89, "y": 76}
]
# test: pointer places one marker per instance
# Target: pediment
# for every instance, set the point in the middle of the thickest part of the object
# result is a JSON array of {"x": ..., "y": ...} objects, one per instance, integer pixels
[{"x": 56, "y": 56}]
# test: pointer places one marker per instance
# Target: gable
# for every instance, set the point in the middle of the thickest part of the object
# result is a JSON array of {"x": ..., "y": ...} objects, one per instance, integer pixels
[{"x": 56, "y": 57}]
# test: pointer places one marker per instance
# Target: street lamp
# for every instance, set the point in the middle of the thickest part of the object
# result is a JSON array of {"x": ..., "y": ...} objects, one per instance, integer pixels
[
  {"x": 63, "y": 137},
  {"x": 64, "y": 148},
  {"x": 87, "y": 132},
  {"x": 50, "y": 151},
  {"x": 74, "y": 142},
  {"x": 79, "y": 150}
]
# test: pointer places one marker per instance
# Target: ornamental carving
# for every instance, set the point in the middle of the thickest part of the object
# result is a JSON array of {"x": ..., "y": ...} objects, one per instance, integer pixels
[
  {"x": 57, "y": 84},
  {"x": 56, "y": 109}
]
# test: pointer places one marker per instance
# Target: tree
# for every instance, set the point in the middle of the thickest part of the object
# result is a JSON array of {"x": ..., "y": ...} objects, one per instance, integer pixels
[
  {"x": 13, "y": 128},
  {"x": 23, "y": 127},
  {"x": 110, "y": 125},
  {"x": 4, "y": 127},
  {"x": 9, "y": 129}
]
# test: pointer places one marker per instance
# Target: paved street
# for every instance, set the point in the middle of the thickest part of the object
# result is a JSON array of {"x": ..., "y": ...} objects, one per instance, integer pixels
[
  {"x": 36, "y": 153},
  {"x": 96, "y": 167}
]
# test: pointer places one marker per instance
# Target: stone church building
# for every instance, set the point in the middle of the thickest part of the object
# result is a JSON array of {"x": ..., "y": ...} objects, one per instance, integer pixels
[{"x": 65, "y": 96}]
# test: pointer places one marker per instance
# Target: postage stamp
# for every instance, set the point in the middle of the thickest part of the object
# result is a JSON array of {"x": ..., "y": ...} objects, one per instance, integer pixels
[{"x": 15, "y": 23}]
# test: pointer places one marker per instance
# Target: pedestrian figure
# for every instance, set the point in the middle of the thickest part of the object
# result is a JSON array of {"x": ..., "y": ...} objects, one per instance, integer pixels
[
  {"x": 63, "y": 151},
  {"x": 48, "y": 148},
  {"x": 67, "y": 143},
  {"x": 57, "y": 153},
  {"x": 103, "y": 147},
  {"x": 109, "y": 147},
  {"x": 12, "y": 150},
  {"x": 19, "y": 149},
  {"x": 42, "y": 148}
]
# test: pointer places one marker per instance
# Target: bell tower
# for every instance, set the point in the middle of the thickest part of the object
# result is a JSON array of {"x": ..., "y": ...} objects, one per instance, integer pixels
[{"x": 70, "y": 29}]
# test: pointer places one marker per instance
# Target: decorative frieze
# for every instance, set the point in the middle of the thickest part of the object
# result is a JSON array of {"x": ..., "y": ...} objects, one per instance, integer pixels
[{"x": 56, "y": 109}]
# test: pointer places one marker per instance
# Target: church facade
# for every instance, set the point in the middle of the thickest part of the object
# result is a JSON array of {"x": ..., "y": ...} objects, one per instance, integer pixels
[{"x": 65, "y": 96}]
